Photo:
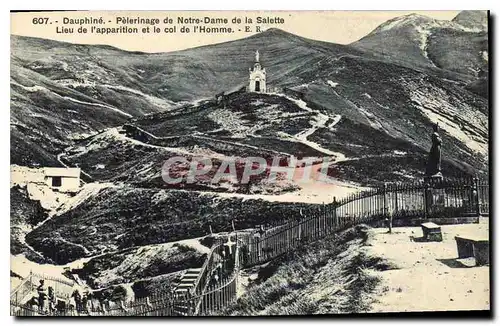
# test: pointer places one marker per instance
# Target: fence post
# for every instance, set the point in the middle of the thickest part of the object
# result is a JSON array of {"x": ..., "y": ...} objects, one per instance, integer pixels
[
  {"x": 322, "y": 222},
  {"x": 334, "y": 217},
  {"x": 475, "y": 193},
  {"x": 384, "y": 193},
  {"x": 300, "y": 225},
  {"x": 395, "y": 192},
  {"x": 31, "y": 280},
  {"x": 426, "y": 200},
  {"x": 386, "y": 208}
]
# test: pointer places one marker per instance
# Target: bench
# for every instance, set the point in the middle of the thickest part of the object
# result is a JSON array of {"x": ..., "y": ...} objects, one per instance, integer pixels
[
  {"x": 432, "y": 231},
  {"x": 476, "y": 247}
]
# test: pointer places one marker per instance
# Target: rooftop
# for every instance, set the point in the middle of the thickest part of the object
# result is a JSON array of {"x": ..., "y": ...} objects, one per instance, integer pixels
[{"x": 62, "y": 172}]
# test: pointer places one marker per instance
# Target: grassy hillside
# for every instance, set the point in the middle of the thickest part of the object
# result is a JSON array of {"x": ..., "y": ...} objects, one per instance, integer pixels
[
  {"x": 390, "y": 101},
  {"x": 329, "y": 276},
  {"x": 461, "y": 51},
  {"x": 124, "y": 217},
  {"x": 251, "y": 125},
  {"x": 62, "y": 91},
  {"x": 355, "y": 121},
  {"x": 24, "y": 215},
  {"x": 134, "y": 264}
]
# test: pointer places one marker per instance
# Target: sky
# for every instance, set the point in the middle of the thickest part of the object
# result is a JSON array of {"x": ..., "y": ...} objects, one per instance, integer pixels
[{"x": 341, "y": 27}]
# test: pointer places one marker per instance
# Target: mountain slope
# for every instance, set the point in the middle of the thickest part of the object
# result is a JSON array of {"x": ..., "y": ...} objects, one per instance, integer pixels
[
  {"x": 419, "y": 41},
  {"x": 24, "y": 215},
  {"x": 336, "y": 81},
  {"x": 475, "y": 19},
  {"x": 251, "y": 125},
  {"x": 349, "y": 127},
  {"x": 62, "y": 91},
  {"x": 125, "y": 217}
]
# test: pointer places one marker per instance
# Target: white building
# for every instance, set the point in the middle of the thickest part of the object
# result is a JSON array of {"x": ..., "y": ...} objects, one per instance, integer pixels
[
  {"x": 52, "y": 187},
  {"x": 257, "y": 82},
  {"x": 63, "y": 179},
  {"x": 59, "y": 179}
]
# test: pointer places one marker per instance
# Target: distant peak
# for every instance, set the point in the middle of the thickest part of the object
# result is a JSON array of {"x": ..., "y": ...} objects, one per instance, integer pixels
[
  {"x": 275, "y": 31},
  {"x": 468, "y": 21},
  {"x": 476, "y": 19},
  {"x": 410, "y": 19},
  {"x": 415, "y": 15}
]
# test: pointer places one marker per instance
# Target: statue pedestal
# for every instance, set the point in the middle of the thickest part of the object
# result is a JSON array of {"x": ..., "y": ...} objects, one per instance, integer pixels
[{"x": 434, "y": 194}]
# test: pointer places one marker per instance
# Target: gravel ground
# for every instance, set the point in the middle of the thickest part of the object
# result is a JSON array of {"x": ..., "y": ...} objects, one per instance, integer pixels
[{"x": 429, "y": 278}]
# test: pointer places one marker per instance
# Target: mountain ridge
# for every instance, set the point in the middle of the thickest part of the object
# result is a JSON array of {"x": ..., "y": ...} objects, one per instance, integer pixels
[
  {"x": 431, "y": 43},
  {"x": 472, "y": 19}
]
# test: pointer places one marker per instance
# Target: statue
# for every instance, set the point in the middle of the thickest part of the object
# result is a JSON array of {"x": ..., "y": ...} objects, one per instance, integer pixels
[
  {"x": 257, "y": 56},
  {"x": 433, "y": 169}
]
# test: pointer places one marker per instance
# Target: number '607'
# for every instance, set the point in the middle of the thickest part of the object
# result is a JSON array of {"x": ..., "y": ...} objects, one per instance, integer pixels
[{"x": 40, "y": 20}]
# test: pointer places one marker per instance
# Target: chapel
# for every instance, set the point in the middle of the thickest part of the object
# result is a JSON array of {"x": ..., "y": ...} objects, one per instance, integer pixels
[{"x": 257, "y": 80}]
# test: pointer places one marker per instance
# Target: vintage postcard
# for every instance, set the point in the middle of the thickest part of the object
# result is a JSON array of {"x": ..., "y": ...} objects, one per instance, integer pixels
[{"x": 249, "y": 163}]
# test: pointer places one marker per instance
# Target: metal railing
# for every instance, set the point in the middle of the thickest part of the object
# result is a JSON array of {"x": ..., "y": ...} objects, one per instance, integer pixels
[{"x": 62, "y": 287}]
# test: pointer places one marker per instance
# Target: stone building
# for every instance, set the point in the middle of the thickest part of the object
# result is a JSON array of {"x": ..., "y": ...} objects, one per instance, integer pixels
[{"x": 257, "y": 81}]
